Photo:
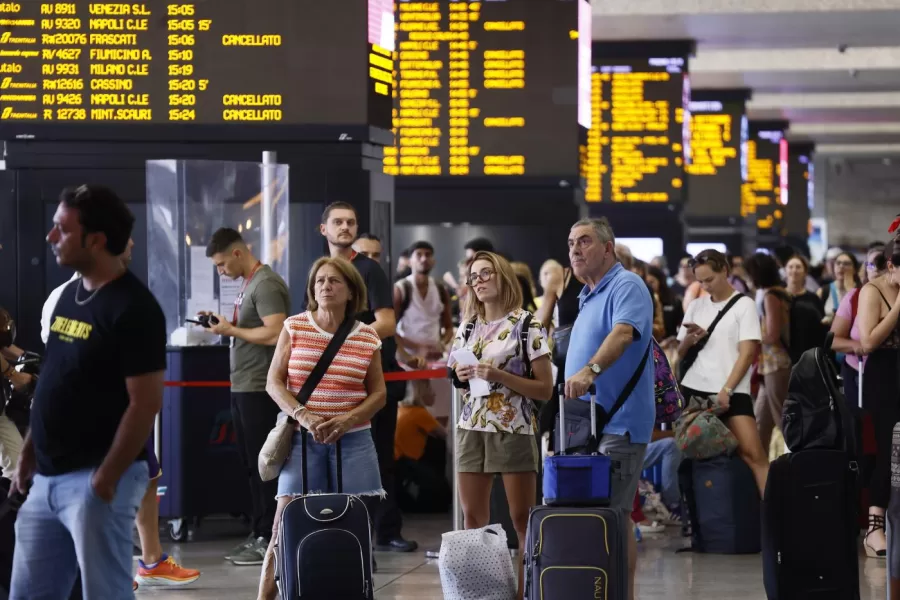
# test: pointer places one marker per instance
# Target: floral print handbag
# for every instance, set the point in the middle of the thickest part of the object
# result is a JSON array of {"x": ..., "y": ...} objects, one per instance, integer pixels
[{"x": 700, "y": 434}]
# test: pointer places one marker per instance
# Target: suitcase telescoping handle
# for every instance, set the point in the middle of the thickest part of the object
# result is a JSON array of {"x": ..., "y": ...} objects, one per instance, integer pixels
[
  {"x": 340, "y": 467},
  {"x": 562, "y": 415},
  {"x": 859, "y": 393}
]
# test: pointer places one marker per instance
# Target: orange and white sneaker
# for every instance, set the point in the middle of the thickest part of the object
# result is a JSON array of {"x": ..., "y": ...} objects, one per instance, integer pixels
[{"x": 166, "y": 572}]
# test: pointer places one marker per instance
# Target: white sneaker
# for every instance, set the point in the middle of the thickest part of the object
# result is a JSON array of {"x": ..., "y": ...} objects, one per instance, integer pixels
[{"x": 651, "y": 527}]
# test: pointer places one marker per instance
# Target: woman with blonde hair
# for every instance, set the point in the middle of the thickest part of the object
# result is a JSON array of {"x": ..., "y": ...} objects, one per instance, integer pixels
[
  {"x": 496, "y": 432},
  {"x": 340, "y": 407}
]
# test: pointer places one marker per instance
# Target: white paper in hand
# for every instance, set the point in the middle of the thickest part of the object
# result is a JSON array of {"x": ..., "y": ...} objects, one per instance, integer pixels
[{"x": 478, "y": 387}]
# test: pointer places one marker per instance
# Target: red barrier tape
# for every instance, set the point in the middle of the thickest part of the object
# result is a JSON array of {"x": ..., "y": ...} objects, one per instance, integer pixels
[{"x": 396, "y": 376}]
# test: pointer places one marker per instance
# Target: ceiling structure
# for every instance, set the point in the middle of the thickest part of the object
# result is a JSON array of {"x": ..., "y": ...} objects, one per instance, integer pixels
[{"x": 830, "y": 67}]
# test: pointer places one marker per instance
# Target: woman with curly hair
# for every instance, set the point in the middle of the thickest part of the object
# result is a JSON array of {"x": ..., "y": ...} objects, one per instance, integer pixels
[{"x": 496, "y": 432}]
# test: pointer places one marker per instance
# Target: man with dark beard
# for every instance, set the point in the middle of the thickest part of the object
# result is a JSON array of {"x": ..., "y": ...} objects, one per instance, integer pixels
[
  {"x": 84, "y": 463},
  {"x": 155, "y": 567},
  {"x": 340, "y": 227}
]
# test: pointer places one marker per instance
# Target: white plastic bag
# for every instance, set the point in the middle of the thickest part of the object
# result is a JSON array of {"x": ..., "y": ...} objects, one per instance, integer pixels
[{"x": 475, "y": 564}]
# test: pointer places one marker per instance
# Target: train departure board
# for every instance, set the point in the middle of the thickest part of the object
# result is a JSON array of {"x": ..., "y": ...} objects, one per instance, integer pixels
[
  {"x": 715, "y": 173},
  {"x": 765, "y": 191},
  {"x": 800, "y": 189},
  {"x": 490, "y": 88},
  {"x": 636, "y": 146},
  {"x": 222, "y": 62}
]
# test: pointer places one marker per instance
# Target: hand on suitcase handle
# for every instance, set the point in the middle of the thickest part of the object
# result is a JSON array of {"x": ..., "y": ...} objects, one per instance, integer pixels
[{"x": 566, "y": 387}]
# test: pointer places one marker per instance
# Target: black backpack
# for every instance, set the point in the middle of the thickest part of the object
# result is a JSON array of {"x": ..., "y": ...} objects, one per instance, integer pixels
[{"x": 816, "y": 414}]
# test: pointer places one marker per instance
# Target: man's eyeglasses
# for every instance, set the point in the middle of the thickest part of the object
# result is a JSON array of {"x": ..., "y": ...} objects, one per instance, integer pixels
[{"x": 483, "y": 275}]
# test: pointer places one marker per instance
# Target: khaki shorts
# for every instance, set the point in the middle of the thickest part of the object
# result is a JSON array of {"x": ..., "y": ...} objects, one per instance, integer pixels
[{"x": 489, "y": 452}]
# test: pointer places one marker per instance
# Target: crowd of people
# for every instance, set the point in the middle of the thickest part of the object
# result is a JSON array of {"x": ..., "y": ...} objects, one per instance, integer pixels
[{"x": 88, "y": 474}]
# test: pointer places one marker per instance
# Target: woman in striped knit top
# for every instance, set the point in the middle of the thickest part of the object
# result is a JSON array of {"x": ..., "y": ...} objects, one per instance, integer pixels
[{"x": 340, "y": 408}]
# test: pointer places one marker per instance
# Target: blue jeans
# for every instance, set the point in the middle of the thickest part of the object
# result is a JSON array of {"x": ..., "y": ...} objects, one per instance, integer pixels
[
  {"x": 359, "y": 464},
  {"x": 64, "y": 526},
  {"x": 666, "y": 451}
]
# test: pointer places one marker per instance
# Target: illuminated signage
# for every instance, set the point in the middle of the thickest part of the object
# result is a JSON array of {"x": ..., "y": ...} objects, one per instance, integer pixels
[
  {"x": 636, "y": 143},
  {"x": 715, "y": 170},
  {"x": 489, "y": 88},
  {"x": 223, "y": 62},
  {"x": 764, "y": 194}
]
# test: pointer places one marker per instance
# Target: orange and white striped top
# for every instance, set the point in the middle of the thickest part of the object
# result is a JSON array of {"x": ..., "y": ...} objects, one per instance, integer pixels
[{"x": 343, "y": 387}]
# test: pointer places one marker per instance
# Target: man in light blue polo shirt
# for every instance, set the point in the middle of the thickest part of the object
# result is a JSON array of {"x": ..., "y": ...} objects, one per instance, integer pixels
[{"x": 608, "y": 343}]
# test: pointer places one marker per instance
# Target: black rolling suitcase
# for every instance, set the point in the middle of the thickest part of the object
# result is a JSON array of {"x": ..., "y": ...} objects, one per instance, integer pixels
[
  {"x": 811, "y": 502},
  {"x": 893, "y": 521},
  {"x": 324, "y": 549},
  {"x": 810, "y": 531}
]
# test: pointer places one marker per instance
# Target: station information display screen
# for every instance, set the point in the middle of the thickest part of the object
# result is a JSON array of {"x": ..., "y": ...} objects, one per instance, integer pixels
[
  {"x": 490, "y": 88},
  {"x": 274, "y": 62},
  {"x": 765, "y": 192},
  {"x": 715, "y": 173},
  {"x": 801, "y": 197},
  {"x": 637, "y": 144}
]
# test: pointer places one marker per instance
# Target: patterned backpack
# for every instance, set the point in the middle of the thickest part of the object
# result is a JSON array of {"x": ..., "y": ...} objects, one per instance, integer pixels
[{"x": 669, "y": 400}]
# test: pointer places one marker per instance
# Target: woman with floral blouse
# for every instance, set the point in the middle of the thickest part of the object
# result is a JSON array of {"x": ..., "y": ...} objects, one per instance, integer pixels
[{"x": 496, "y": 433}]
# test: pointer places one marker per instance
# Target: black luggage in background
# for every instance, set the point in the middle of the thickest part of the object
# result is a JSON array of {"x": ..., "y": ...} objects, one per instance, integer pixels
[
  {"x": 893, "y": 521},
  {"x": 324, "y": 545},
  {"x": 810, "y": 534},
  {"x": 576, "y": 554},
  {"x": 722, "y": 499}
]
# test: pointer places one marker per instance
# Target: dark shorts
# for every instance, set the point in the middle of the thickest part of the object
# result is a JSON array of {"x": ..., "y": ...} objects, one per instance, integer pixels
[
  {"x": 741, "y": 405},
  {"x": 153, "y": 461}
]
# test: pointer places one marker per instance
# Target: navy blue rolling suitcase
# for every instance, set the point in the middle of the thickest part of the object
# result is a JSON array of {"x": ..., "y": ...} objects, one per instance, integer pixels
[
  {"x": 723, "y": 502},
  {"x": 576, "y": 552},
  {"x": 324, "y": 549}
]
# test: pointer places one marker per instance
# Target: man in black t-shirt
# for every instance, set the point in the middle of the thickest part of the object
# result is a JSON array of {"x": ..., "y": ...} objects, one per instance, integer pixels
[
  {"x": 340, "y": 227},
  {"x": 83, "y": 465}
]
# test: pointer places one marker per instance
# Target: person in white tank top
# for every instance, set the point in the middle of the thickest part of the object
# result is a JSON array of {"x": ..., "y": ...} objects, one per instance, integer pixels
[{"x": 422, "y": 306}]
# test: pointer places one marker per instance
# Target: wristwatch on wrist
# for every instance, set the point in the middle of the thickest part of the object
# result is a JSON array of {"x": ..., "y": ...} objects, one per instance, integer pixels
[
  {"x": 729, "y": 391},
  {"x": 595, "y": 368}
]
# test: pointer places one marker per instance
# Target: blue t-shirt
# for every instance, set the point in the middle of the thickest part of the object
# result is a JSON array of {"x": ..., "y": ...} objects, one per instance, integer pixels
[{"x": 620, "y": 297}]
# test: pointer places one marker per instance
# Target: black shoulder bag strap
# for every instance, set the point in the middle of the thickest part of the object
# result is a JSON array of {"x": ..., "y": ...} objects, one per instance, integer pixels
[
  {"x": 593, "y": 445},
  {"x": 309, "y": 386},
  {"x": 695, "y": 350},
  {"x": 523, "y": 342}
]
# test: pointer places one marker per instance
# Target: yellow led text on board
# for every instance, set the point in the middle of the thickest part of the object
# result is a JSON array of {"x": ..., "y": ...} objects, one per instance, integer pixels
[{"x": 438, "y": 77}]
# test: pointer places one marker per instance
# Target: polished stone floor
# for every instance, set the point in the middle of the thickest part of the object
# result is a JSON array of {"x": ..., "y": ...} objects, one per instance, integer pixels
[{"x": 662, "y": 574}]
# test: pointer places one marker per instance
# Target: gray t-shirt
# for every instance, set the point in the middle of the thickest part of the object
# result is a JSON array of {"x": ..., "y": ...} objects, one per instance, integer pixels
[{"x": 266, "y": 294}]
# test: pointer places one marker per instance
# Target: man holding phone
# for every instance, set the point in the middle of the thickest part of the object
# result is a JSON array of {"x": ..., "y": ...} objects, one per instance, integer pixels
[{"x": 254, "y": 326}]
